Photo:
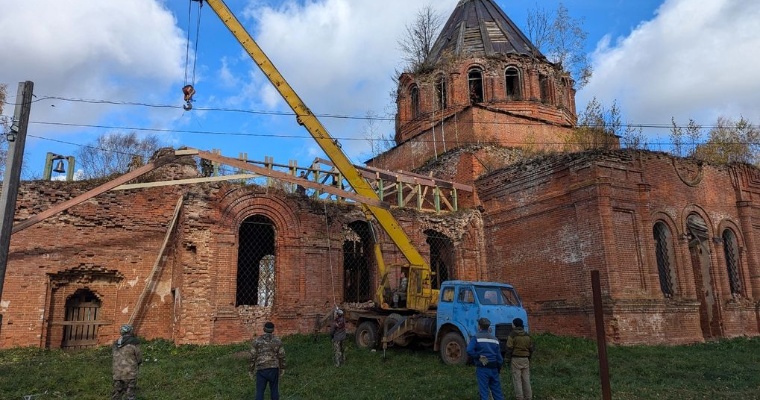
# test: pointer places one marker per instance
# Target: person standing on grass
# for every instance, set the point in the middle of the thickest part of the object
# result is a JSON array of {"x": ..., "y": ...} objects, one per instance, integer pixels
[
  {"x": 267, "y": 362},
  {"x": 338, "y": 336},
  {"x": 127, "y": 358},
  {"x": 485, "y": 352},
  {"x": 520, "y": 348}
]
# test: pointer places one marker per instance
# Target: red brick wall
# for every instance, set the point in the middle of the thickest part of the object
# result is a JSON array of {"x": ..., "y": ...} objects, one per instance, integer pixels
[
  {"x": 107, "y": 245},
  {"x": 552, "y": 221},
  {"x": 545, "y": 225}
]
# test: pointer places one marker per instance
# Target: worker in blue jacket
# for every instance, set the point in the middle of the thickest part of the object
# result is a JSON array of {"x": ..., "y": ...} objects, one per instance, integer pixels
[{"x": 486, "y": 354}]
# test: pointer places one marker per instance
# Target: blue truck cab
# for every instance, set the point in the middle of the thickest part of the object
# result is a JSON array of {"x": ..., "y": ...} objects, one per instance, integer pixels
[{"x": 462, "y": 303}]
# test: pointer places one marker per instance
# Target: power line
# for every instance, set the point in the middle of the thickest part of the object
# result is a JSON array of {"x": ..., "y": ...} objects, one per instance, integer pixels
[
  {"x": 329, "y": 115},
  {"x": 459, "y": 143},
  {"x": 84, "y": 145}
]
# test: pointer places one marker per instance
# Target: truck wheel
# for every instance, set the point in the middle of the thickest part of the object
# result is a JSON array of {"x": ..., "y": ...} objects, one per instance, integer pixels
[
  {"x": 366, "y": 335},
  {"x": 453, "y": 349}
]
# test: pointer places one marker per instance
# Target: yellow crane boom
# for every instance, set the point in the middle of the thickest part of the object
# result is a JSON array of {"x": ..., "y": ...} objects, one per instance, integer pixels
[{"x": 420, "y": 295}]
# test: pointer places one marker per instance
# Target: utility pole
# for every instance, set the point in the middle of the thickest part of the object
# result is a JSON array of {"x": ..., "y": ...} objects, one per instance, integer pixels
[{"x": 16, "y": 141}]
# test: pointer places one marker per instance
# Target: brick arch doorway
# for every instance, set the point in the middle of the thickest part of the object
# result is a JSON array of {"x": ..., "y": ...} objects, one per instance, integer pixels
[
  {"x": 441, "y": 257},
  {"x": 358, "y": 262},
  {"x": 82, "y": 320},
  {"x": 699, "y": 251}
]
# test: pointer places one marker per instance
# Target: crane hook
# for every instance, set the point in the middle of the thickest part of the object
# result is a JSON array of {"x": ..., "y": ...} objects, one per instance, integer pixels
[{"x": 188, "y": 91}]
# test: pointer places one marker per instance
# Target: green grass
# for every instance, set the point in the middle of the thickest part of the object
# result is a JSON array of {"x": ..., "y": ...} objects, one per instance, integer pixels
[{"x": 563, "y": 368}]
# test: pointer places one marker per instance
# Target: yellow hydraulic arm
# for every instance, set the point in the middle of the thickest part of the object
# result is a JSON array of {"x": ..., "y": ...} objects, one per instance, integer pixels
[{"x": 420, "y": 295}]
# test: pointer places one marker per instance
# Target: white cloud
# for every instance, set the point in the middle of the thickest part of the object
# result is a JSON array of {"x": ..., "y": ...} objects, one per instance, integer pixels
[
  {"x": 90, "y": 49},
  {"x": 695, "y": 59},
  {"x": 339, "y": 55}
]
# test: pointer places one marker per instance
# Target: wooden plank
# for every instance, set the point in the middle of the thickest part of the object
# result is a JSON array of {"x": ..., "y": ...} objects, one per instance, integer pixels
[
  {"x": 446, "y": 201},
  {"x": 152, "y": 277},
  {"x": 422, "y": 178},
  {"x": 80, "y": 323},
  {"x": 185, "y": 181}
]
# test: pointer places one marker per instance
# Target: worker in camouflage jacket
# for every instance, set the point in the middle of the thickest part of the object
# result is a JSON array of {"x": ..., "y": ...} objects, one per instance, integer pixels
[
  {"x": 338, "y": 335},
  {"x": 267, "y": 362},
  {"x": 127, "y": 358}
]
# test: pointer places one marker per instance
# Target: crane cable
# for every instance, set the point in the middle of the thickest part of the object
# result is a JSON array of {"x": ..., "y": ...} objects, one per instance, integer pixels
[
  {"x": 188, "y": 90},
  {"x": 329, "y": 256}
]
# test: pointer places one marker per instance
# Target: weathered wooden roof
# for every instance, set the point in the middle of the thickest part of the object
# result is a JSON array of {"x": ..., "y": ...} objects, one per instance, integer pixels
[{"x": 479, "y": 28}]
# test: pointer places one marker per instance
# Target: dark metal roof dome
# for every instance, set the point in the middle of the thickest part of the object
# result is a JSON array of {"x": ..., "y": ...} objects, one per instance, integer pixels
[{"x": 479, "y": 28}]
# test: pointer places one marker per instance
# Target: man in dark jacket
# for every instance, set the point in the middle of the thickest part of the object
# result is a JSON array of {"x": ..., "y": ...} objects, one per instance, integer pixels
[
  {"x": 484, "y": 350},
  {"x": 267, "y": 362},
  {"x": 520, "y": 347},
  {"x": 126, "y": 363},
  {"x": 338, "y": 335}
]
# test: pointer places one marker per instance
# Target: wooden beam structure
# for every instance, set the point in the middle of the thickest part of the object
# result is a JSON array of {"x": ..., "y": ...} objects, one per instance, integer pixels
[
  {"x": 284, "y": 176},
  {"x": 407, "y": 189}
]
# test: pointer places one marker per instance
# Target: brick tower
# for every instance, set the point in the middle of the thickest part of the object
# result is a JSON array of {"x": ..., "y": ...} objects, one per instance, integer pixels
[{"x": 483, "y": 83}]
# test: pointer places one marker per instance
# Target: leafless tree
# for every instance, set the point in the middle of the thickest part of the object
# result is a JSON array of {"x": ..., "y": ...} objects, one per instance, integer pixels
[
  {"x": 379, "y": 142},
  {"x": 419, "y": 37},
  {"x": 600, "y": 127},
  {"x": 112, "y": 153},
  {"x": 676, "y": 138},
  {"x": 679, "y": 136},
  {"x": 562, "y": 39}
]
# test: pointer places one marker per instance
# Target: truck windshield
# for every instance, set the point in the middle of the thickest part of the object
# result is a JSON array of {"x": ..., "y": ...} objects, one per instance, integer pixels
[{"x": 497, "y": 296}]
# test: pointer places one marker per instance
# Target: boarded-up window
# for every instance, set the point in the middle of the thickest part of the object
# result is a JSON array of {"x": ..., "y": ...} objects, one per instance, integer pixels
[
  {"x": 731, "y": 252},
  {"x": 664, "y": 252}
]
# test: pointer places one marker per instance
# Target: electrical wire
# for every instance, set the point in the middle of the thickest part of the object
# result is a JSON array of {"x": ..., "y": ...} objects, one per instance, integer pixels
[
  {"x": 343, "y": 139},
  {"x": 337, "y": 116}
]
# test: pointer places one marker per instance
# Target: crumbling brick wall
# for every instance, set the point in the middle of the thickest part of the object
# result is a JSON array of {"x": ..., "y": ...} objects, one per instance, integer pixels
[
  {"x": 108, "y": 246},
  {"x": 554, "y": 220}
]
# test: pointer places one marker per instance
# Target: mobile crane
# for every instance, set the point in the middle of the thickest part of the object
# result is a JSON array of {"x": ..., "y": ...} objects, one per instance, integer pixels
[{"x": 446, "y": 326}]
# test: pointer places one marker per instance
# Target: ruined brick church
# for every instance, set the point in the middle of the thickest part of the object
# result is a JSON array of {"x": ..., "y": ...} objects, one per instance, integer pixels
[{"x": 677, "y": 241}]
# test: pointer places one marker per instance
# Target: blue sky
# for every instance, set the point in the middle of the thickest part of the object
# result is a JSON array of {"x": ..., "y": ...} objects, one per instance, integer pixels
[{"x": 658, "y": 58}]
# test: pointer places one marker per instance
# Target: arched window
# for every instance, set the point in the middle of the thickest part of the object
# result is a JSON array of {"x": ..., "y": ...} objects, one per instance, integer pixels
[
  {"x": 665, "y": 258},
  {"x": 731, "y": 252},
  {"x": 563, "y": 89},
  {"x": 475, "y": 83},
  {"x": 414, "y": 93},
  {"x": 512, "y": 83},
  {"x": 256, "y": 262},
  {"x": 543, "y": 83},
  {"x": 358, "y": 261},
  {"x": 441, "y": 257},
  {"x": 440, "y": 93}
]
